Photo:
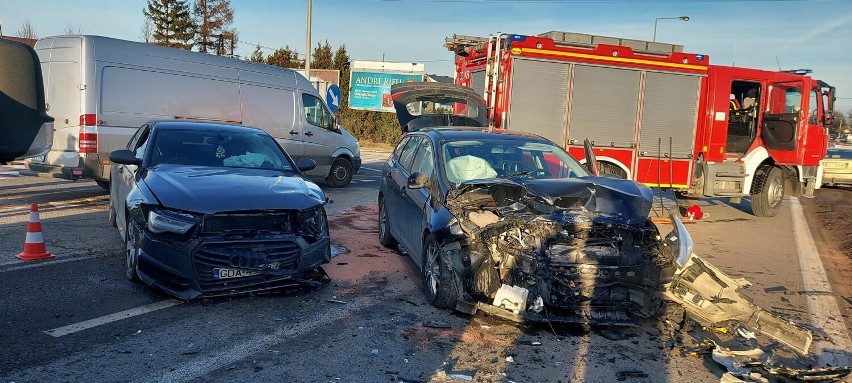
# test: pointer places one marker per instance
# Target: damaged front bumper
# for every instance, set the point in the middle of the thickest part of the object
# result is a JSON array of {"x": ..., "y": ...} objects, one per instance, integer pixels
[{"x": 195, "y": 268}]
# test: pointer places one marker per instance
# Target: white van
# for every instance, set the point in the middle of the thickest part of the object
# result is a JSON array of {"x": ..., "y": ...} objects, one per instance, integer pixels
[{"x": 100, "y": 90}]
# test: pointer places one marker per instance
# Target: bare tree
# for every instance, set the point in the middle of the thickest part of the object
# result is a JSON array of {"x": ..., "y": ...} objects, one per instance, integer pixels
[
  {"x": 147, "y": 29},
  {"x": 26, "y": 31},
  {"x": 73, "y": 30}
]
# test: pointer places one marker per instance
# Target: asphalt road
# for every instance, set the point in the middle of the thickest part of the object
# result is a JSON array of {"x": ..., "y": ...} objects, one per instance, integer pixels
[{"x": 76, "y": 318}]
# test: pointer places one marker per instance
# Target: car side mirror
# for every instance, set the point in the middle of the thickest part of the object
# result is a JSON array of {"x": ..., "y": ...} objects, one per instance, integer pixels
[
  {"x": 418, "y": 180},
  {"x": 829, "y": 117},
  {"x": 23, "y": 110},
  {"x": 124, "y": 157},
  {"x": 305, "y": 164}
]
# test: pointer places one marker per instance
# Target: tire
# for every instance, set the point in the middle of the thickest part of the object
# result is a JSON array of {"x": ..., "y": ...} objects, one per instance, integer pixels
[
  {"x": 606, "y": 168},
  {"x": 103, "y": 184},
  {"x": 385, "y": 236},
  {"x": 131, "y": 252},
  {"x": 340, "y": 173},
  {"x": 768, "y": 191},
  {"x": 439, "y": 283},
  {"x": 111, "y": 217}
]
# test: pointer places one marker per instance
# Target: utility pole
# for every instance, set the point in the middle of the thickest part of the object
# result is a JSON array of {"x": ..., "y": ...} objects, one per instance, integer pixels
[{"x": 308, "y": 46}]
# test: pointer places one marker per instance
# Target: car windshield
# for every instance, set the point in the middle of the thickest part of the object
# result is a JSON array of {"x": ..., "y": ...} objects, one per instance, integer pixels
[
  {"x": 218, "y": 149},
  {"x": 506, "y": 158}
]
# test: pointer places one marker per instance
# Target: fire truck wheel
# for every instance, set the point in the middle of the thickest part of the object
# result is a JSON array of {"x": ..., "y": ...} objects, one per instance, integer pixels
[
  {"x": 606, "y": 168},
  {"x": 767, "y": 192}
]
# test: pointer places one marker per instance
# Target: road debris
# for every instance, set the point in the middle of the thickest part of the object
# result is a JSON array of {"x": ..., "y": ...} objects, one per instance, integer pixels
[{"x": 624, "y": 375}]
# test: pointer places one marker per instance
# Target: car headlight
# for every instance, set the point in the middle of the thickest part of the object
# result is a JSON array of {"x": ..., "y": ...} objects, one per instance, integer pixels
[
  {"x": 682, "y": 241},
  {"x": 313, "y": 224},
  {"x": 162, "y": 221}
]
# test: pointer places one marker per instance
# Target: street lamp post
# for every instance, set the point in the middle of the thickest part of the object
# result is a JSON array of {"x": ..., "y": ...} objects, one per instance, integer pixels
[{"x": 683, "y": 18}]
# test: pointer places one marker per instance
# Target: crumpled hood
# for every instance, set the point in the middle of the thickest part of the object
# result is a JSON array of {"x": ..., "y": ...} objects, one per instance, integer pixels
[
  {"x": 624, "y": 201},
  {"x": 210, "y": 190}
]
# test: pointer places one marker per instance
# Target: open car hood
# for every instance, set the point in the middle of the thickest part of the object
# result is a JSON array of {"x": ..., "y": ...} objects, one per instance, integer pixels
[{"x": 430, "y": 104}]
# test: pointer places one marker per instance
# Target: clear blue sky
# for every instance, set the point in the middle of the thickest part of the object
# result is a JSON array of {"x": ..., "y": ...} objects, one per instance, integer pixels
[{"x": 815, "y": 34}]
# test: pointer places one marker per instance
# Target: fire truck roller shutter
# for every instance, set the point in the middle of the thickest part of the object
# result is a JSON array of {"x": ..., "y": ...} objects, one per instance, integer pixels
[
  {"x": 477, "y": 82},
  {"x": 604, "y": 105},
  {"x": 669, "y": 109},
  {"x": 539, "y": 97}
]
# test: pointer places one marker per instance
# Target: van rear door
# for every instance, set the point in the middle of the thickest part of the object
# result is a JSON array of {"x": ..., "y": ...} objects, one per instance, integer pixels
[{"x": 61, "y": 59}]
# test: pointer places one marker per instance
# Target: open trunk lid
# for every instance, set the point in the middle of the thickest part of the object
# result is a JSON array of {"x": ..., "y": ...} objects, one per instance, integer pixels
[{"x": 430, "y": 104}]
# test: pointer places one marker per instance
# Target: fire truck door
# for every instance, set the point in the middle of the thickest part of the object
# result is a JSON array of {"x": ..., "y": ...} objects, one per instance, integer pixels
[{"x": 782, "y": 118}]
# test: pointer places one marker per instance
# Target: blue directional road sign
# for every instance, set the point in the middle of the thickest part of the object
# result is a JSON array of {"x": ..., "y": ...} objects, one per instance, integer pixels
[{"x": 332, "y": 98}]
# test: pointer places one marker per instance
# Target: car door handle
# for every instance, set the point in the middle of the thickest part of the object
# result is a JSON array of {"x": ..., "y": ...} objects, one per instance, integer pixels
[
  {"x": 309, "y": 134},
  {"x": 293, "y": 132}
]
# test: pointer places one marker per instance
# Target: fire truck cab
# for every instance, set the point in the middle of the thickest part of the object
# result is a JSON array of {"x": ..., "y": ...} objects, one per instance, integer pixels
[{"x": 655, "y": 114}]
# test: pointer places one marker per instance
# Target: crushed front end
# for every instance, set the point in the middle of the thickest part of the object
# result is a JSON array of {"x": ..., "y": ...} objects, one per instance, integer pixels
[
  {"x": 559, "y": 250},
  {"x": 233, "y": 252}
]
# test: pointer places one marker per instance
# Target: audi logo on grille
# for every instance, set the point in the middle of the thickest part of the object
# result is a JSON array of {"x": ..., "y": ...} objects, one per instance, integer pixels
[{"x": 248, "y": 261}]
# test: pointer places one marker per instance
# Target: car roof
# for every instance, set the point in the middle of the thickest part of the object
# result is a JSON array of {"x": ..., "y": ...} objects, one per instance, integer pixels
[
  {"x": 461, "y": 133},
  {"x": 202, "y": 125}
]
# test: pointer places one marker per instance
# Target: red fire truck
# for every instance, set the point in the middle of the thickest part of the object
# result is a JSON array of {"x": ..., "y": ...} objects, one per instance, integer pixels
[{"x": 655, "y": 114}]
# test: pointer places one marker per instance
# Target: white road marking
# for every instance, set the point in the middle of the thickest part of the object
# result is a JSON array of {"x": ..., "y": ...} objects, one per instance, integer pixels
[
  {"x": 239, "y": 350},
  {"x": 53, "y": 261},
  {"x": 374, "y": 170},
  {"x": 823, "y": 308},
  {"x": 72, "y": 328}
]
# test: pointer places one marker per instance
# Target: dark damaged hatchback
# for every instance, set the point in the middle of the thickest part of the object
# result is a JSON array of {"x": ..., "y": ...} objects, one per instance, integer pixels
[
  {"x": 510, "y": 224},
  {"x": 209, "y": 209}
]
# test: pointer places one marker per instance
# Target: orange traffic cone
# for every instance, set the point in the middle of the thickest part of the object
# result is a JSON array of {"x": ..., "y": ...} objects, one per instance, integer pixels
[{"x": 34, "y": 244}]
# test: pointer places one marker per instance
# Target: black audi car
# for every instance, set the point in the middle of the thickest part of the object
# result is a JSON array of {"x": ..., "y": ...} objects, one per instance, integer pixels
[{"x": 212, "y": 209}]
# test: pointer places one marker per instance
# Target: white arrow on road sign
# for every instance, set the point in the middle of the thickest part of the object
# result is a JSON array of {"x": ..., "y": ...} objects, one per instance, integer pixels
[{"x": 332, "y": 97}]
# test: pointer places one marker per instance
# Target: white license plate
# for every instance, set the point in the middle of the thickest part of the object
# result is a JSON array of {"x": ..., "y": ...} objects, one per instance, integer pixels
[
  {"x": 232, "y": 273},
  {"x": 38, "y": 159},
  {"x": 835, "y": 165}
]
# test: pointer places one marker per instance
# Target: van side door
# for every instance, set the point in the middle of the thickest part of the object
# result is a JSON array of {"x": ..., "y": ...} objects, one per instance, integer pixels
[{"x": 320, "y": 136}]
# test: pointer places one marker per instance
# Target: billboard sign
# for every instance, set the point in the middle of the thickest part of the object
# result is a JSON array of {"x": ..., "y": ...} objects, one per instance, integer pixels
[{"x": 370, "y": 83}]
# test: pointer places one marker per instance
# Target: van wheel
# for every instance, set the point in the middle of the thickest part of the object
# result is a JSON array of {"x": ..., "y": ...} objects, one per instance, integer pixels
[
  {"x": 103, "y": 184},
  {"x": 340, "y": 174}
]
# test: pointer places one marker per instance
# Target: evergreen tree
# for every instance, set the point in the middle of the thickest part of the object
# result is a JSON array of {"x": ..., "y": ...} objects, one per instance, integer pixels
[
  {"x": 322, "y": 59},
  {"x": 341, "y": 63},
  {"x": 173, "y": 26},
  {"x": 257, "y": 55},
  {"x": 212, "y": 18},
  {"x": 285, "y": 57}
]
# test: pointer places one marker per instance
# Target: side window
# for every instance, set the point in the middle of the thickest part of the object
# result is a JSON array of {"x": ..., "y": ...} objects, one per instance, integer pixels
[
  {"x": 423, "y": 160},
  {"x": 135, "y": 138},
  {"x": 142, "y": 143},
  {"x": 785, "y": 98},
  {"x": 398, "y": 151},
  {"x": 813, "y": 106},
  {"x": 315, "y": 112},
  {"x": 407, "y": 155}
]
